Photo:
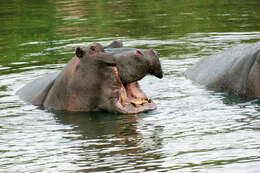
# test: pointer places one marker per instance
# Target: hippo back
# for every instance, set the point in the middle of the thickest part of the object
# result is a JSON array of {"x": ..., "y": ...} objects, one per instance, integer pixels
[
  {"x": 226, "y": 71},
  {"x": 36, "y": 91}
]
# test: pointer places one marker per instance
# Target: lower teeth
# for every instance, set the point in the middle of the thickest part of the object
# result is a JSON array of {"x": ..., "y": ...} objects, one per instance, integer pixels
[{"x": 138, "y": 101}]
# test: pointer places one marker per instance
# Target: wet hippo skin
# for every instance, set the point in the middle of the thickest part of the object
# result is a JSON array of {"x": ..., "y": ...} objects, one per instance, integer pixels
[
  {"x": 98, "y": 78},
  {"x": 236, "y": 70}
]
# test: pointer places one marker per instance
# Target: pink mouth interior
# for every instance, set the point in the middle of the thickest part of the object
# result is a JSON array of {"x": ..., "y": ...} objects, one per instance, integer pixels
[{"x": 131, "y": 93}]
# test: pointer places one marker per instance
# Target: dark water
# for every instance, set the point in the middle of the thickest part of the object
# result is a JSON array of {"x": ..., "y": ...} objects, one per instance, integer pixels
[{"x": 193, "y": 129}]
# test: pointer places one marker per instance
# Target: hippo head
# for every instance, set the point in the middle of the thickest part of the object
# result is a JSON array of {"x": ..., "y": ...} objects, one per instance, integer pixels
[{"x": 105, "y": 78}]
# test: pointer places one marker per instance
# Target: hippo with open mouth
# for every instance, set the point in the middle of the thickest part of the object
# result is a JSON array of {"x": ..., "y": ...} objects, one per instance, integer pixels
[{"x": 98, "y": 78}]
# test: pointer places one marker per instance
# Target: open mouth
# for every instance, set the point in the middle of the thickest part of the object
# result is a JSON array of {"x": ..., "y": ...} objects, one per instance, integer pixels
[{"x": 132, "y": 99}]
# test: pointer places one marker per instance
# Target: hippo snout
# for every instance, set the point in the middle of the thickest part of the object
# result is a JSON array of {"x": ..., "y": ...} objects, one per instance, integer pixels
[
  {"x": 155, "y": 65},
  {"x": 157, "y": 72}
]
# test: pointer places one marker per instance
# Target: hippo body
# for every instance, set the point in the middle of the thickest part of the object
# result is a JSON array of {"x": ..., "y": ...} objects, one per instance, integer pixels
[
  {"x": 98, "y": 78},
  {"x": 236, "y": 70}
]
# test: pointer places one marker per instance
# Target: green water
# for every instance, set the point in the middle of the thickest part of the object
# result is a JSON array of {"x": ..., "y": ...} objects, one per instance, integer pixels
[{"x": 193, "y": 129}]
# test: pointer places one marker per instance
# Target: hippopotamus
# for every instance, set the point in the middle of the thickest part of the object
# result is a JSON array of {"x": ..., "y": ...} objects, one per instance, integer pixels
[
  {"x": 98, "y": 78},
  {"x": 236, "y": 71}
]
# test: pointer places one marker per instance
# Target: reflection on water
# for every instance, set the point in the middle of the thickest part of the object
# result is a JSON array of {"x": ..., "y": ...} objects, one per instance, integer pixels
[
  {"x": 104, "y": 137},
  {"x": 114, "y": 140},
  {"x": 193, "y": 129}
]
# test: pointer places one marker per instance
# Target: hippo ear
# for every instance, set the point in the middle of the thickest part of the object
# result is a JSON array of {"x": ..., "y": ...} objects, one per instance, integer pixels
[
  {"x": 79, "y": 52},
  {"x": 115, "y": 44}
]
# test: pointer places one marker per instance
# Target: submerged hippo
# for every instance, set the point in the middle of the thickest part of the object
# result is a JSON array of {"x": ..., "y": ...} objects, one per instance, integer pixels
[
  {"x": 236, "y": 70},
  {"x": 97, "y": 78}
]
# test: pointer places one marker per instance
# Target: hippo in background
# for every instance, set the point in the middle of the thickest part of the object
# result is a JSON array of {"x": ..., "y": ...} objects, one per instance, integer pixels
[
  {"x": 98, "y": 78},
  {"x": 236, "y": 71}
]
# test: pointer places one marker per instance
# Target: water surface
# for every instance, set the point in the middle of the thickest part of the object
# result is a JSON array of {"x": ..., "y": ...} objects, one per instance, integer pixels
[{"x": 193, "y": 129}]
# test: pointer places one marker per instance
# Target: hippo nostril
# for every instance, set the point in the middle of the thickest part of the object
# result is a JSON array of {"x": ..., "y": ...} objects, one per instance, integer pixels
[{"x": 139, "y": 53}]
